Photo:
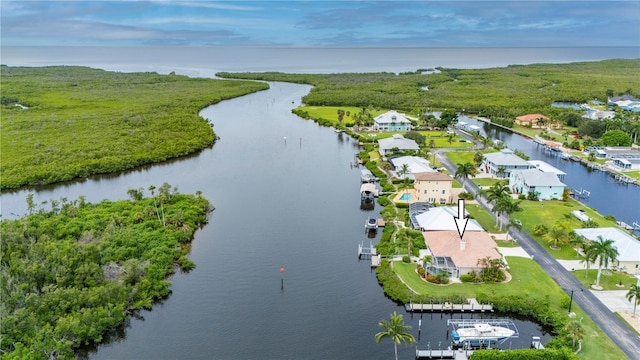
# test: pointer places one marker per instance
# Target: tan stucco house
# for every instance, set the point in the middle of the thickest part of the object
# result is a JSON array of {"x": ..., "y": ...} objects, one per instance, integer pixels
[{"x": 433, "y": 187}]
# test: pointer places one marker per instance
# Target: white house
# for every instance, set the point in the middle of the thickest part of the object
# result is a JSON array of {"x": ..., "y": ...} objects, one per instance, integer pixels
[
  {"x": 441, "y": 219},
  {"x": 546, "y": 184},
  {"x": 391, "y": 121},
  {"x": 415, "y": 164},
  {"x": 546, "y": 167},
  {"x": 397, "y": 141},
  {"x": 628, "y": 247},
  {"x": 506, "y": 160}
]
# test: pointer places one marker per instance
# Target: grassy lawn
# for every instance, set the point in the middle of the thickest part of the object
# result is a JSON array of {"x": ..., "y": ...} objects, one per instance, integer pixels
[
  {"x": 528, "y": 278},
  {"x": 633, "y": 174},
  {"x": 483, "y": 218},
  {"x": 486, "y": 181},
  {"x": 608, "y": 279},
  {"x": 456, "y": 184},
  {"x": 548, "y": 212},
  {"x": 460, "y": 157},
  {"x": 331, "y": 113}
]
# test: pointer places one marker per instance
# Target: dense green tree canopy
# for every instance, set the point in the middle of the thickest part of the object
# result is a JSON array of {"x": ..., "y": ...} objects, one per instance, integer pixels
[
  {"x": 615, "y": 138},
  {"x": 69, "y": 274},
  {"x": 61, "y": 123}
]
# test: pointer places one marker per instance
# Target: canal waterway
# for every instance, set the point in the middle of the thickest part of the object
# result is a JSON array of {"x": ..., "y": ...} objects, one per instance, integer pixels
[
  {"x": 608, "y": 197},
  {"x": 290, "y": 202}
]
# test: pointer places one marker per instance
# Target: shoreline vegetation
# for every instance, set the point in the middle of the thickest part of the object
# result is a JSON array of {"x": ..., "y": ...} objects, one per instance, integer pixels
[
  {"x": 76, "y": 270},
  {"x": 54, "y": 125},
  {"x": 62, "y": 123}
]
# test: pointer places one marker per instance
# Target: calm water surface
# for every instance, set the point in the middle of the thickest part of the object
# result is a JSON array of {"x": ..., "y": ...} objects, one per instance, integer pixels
[{"x": 293, "y": 204}]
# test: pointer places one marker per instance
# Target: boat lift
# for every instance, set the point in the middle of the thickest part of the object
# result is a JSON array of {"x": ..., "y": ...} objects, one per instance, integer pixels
[{"x": 480, "y": 342}]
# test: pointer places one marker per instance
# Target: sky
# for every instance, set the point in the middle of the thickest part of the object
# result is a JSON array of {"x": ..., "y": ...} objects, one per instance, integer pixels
[{"x": 319, "y": 23}]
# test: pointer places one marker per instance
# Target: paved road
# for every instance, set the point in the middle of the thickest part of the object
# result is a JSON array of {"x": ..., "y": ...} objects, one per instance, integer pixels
[{"x": 628, "y": 341}]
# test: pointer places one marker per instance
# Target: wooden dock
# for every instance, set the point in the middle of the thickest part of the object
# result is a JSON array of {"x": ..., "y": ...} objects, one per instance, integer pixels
[
  {"x": 471, "y": 306},
  {"x": 444, "y": 354},
  {"x": 375, "y": 261},
  {"x": 381, "y": 222}
]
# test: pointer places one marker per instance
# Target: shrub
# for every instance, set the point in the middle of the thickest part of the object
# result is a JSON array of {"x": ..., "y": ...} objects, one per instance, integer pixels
[
  {"x": 443, "y": 278},
  {"x": 467, "y": 278},
  {"x": 466, "y": 196},
  {"x": 433, "y": 279},
  {"x": 610, "y": 218},
  {"x": 421, "y": 271},
  {"x": 540, "y": 230},
  {"x": 522, "y": 197},
  {"x": 406, "y": 259}
]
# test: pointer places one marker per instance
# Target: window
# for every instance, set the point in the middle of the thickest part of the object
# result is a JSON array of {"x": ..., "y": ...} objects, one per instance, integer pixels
[{"x": 442, "y": 192}]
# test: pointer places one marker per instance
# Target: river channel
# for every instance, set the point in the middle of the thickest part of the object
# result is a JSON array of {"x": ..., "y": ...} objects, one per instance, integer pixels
[
  {"x": 608, "y": 197},
  {"x": 290, "y": 202}
]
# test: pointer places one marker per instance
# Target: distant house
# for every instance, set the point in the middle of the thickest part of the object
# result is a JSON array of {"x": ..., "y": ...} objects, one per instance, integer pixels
[
  {"x": 622, "y": 101},
  {"x": 503, "y": 162},
  {"x": 599, "y": 114},
  {"x": 391, "y": 121},
  {"x": 627, "y": 164},
  {"x": 415, "y": 164},
  {"x": 628, "y": 247},
  {"x": 433, "y": 187},
  {"x": 530, "y": 119},
  {"x": 546, "y": 184},
  {"x": 397, "y": 141},
  {"x": 545, "y": 167}
]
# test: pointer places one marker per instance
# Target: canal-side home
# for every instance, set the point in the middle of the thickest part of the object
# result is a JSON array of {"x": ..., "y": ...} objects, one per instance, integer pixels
[
  {"x": 500, "y": 164},
  {"x": 533, "y": 120},
  {"x": 628, "y": 247},
  {"x": 546, "y": 184},
  {"x": 391, "y": 121},
  {"x": 398, "y": 142},
  {"x": 546, "y": 167},
  {"x": 415, "y": 164},
  {"x": 433, "y": 187}
]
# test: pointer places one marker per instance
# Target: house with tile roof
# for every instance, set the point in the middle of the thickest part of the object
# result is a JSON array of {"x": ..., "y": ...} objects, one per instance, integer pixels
[
  {"x": 500, "y": 164},
  {"x": 546, "y": 184},
  {"x": 628, "y": 246},
  {"x": 391, "y": 121},
  {"x": 397, "y": 141},
  {"x": 530, "y": 119},
  {"x": 433, "y": 187}
]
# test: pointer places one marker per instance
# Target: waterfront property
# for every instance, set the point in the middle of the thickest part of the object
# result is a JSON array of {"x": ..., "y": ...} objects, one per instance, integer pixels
[
  {"x": 533, "y": 120},
  {"x": 391, "y": 121},
  {"x": 433, "y": 187},
  {"x": 398, "y": 142},
  {"x": 415, "y": 164},
  {"x": 628, "y": 259},
  {"x": 500, "y": 164},
  {"x": 546, "y": 184},
  {"x": 545, "y": 167}
]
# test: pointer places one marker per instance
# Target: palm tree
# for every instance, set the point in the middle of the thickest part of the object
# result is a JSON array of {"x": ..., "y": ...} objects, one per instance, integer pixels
[
  {"x": 497, "y": 191},
  {"x": 395, "y": 329},
  {"x": 478, "y": 157},
  {"x": 501, "y": 171},
  {"x": 465, "y": 170},
  {"x": 404, "y": 171},
  {"x": 513, "y": 223},
  {"x": 604, "y": 251},
  {"x": 587, "y": 256},
  {"x": 576, "y": 331},
  {"x": 634, "y": 293},
  {"x": 557, "y": 236}
]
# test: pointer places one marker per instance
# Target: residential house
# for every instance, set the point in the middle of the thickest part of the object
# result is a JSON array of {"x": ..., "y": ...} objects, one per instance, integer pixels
[
  {"x": 546, "y": 167},
  {"x": 531, "y": 120},
  {"x": 500, "y": 164},
  {"x": 546, "y": 184},
  {"x": 415, "y": 165},
  {"x": 627, "y": 164},
  {"x": 433, "y": 187},
  {"x": 628, "y": 246},
  {"x": 449, "y": 253},
  {"x": 391, "y": 121},
  {"x": 397, "y": 141},
  {"x": 456, "y": 256}
]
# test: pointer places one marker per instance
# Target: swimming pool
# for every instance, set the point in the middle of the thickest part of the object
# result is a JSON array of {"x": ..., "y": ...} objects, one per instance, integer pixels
[{"x": 406, "y": 197}]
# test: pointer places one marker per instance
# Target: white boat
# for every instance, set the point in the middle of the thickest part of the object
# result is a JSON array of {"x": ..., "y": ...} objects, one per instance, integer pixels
[
  {"x": 371, "y": 224},
  {"x": 581, "y": 215},
  {"x": 480, "y": 334}
]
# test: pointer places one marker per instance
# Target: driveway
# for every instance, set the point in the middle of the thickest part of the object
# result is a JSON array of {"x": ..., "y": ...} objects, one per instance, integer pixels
[{"x": 626, "y": 340}]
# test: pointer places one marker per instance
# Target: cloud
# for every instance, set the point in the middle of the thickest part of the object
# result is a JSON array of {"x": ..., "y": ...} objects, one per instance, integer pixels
[{"x": 322, "y": 23}]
